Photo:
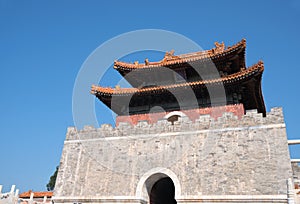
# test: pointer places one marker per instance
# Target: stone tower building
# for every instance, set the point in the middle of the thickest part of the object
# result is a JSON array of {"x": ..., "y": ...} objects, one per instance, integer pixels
[{"x": 193, "y": 129}]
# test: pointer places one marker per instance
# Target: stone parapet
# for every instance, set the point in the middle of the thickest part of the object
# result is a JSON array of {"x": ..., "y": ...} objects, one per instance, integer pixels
[{"x": 203, "y": 122}]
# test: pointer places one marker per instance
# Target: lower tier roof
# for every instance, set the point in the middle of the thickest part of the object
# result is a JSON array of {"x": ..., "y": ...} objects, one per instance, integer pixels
[{"x": 244, "y": 85}]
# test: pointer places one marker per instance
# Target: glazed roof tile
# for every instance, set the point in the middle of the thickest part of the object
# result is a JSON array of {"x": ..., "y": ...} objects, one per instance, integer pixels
[{"x": 36, "y": 194}]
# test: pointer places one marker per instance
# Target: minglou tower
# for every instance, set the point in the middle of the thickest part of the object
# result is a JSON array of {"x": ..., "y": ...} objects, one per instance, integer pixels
[{"x": 193, "y": 129}]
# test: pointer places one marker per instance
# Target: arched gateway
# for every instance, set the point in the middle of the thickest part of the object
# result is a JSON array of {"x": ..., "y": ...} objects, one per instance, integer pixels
[{"x": 159, "y": 185}]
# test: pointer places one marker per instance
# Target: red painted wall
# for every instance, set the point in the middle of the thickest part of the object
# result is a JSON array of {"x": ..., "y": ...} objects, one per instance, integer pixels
[{"x": 193, "y": 114}]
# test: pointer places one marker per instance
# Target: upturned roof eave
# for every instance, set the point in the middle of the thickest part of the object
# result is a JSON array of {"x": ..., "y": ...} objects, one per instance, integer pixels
[{"x": 233, "y": 78}]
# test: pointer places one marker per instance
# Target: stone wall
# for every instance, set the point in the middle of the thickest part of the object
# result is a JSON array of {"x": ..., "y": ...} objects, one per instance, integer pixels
[{"x": 229, "y": 156}]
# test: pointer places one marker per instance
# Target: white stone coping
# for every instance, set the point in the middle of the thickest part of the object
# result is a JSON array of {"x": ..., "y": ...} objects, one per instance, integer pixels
[
  {"x": 293, "y": 142},
  {"x": 295, "y": 160},
  {"x": 282, "y": 125},
  {"x": 236, "y": 197},
  {"x": 97, "y": 199},
  {"x": 181, "y": 199}
]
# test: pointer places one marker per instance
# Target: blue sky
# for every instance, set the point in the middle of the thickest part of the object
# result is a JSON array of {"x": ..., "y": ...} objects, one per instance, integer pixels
[{"x": 44, "y": 43}]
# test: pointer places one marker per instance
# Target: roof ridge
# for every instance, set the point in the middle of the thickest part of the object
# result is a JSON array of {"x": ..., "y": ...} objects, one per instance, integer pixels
[{"x": 170, "y": 58}]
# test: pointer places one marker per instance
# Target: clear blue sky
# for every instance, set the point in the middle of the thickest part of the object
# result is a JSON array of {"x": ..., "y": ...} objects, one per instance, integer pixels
[{"x": 44, "y": 43}]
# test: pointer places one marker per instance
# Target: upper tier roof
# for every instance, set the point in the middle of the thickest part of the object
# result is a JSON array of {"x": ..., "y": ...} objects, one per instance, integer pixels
[{"x": 220, "y": 51}]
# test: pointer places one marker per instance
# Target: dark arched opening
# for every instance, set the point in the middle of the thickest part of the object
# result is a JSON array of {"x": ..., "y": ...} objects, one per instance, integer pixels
[
  {"x": 173, "y": 118},
  {"x": 163, "y": 192}
]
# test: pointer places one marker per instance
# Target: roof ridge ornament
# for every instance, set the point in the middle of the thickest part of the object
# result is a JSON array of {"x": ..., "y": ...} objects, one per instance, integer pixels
[
  {"x": 219, "y": 47},
  {"x": 146, "y": 61},
  {"x": 169, "y": 55}
]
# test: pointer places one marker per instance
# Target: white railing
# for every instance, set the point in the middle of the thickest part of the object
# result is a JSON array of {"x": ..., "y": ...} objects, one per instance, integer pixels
[
  {"x": 11, "y": 197},
  {"x": 295, "y": 160},
  {"x": 293, "y": 142}
]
